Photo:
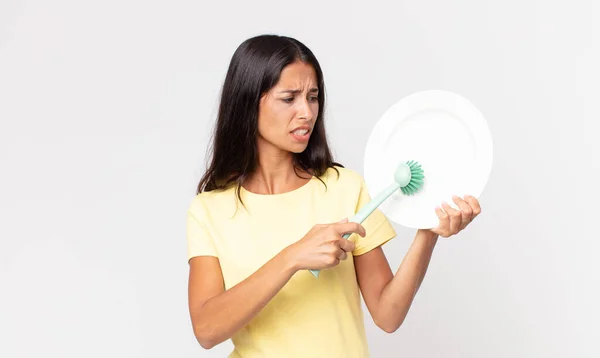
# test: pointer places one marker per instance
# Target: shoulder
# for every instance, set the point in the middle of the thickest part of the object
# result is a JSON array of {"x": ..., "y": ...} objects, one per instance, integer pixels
[{"x": 214, "y": 199}]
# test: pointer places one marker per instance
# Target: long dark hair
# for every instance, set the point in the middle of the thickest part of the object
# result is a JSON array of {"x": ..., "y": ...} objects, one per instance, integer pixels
[{"x": 254, "y": 69}]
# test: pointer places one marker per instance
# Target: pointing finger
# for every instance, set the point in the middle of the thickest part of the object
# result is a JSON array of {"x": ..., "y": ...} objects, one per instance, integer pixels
[{"x": 349, "y": 228}]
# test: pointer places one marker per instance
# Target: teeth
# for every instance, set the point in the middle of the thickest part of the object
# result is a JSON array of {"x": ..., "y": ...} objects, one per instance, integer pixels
[{"x": 301, "y": 131}]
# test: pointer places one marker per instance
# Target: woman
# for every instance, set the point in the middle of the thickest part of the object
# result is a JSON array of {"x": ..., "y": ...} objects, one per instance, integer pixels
[{"x": 272, "y": 205}]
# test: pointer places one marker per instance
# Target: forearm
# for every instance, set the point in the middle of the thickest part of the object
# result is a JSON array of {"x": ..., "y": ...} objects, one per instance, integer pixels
[
  {"x": 397, "y": 296},
  {"x": 222, "y": 316}
]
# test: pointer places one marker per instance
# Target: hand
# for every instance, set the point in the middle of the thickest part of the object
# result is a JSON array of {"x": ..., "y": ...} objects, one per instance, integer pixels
[
  {"x": 453, "y": 221},
  {"x": 323, "y": 246}
]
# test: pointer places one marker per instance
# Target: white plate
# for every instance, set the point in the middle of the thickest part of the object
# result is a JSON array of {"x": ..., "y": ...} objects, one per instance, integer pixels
[{"x": 447, "y": 135}]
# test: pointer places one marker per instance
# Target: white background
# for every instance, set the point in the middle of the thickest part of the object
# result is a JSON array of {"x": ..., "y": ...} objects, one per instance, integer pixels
[{"x": 106, "y": 109}]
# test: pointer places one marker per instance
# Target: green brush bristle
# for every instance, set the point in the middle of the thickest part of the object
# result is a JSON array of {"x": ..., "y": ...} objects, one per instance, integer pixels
[{"x": 416, "y": 178}]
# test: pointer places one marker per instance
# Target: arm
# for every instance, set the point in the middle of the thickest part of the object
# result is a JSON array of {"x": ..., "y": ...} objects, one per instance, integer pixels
[
  {"x": 389, "y": 297},
  {"x": 217, "y": 313}
]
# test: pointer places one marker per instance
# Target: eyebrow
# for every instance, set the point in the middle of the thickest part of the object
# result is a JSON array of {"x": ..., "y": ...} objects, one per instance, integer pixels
[{"x": 294, "y": 91}]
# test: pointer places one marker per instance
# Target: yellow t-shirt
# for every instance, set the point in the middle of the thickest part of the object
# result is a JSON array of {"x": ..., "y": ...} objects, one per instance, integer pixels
[{"x": 309, "y": 317}]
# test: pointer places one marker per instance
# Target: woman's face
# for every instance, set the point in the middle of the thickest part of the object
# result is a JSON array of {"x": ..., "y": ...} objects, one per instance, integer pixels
[{"x": 288, "y": 111}]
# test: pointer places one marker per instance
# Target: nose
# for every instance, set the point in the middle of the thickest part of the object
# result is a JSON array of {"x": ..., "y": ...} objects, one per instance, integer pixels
[{"x": 304, "y": 111}]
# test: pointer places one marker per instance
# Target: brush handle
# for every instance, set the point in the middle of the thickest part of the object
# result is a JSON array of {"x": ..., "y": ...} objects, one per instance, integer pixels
[{"x": 366, "y": 210}]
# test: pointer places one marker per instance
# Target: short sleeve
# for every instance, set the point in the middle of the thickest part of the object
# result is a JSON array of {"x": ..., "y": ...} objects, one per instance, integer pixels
[
  {"x": 378, "y": 228},
  {"x": 199, "y": 241}
]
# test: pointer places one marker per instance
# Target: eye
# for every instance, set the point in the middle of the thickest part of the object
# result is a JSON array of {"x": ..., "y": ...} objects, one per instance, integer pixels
[
  {"x": 288, "y": 100},
  {"x": 314, "y": 99}
]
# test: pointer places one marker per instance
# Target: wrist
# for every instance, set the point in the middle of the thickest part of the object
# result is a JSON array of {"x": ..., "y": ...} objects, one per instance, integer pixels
[
  {"x": 427, "y": 235},
  {"x": 289, "y": 262}
]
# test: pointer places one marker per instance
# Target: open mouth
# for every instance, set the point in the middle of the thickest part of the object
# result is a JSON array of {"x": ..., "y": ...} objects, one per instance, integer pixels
[{"x": 301, "y": 134}]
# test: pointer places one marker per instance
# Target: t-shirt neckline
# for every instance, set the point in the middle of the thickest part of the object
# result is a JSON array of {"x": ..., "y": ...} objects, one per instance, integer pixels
[{"x": 278, "y": 195}]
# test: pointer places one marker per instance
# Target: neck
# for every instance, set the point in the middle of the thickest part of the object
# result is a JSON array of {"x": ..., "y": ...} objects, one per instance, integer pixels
[{"x": 274, "y": 173}]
